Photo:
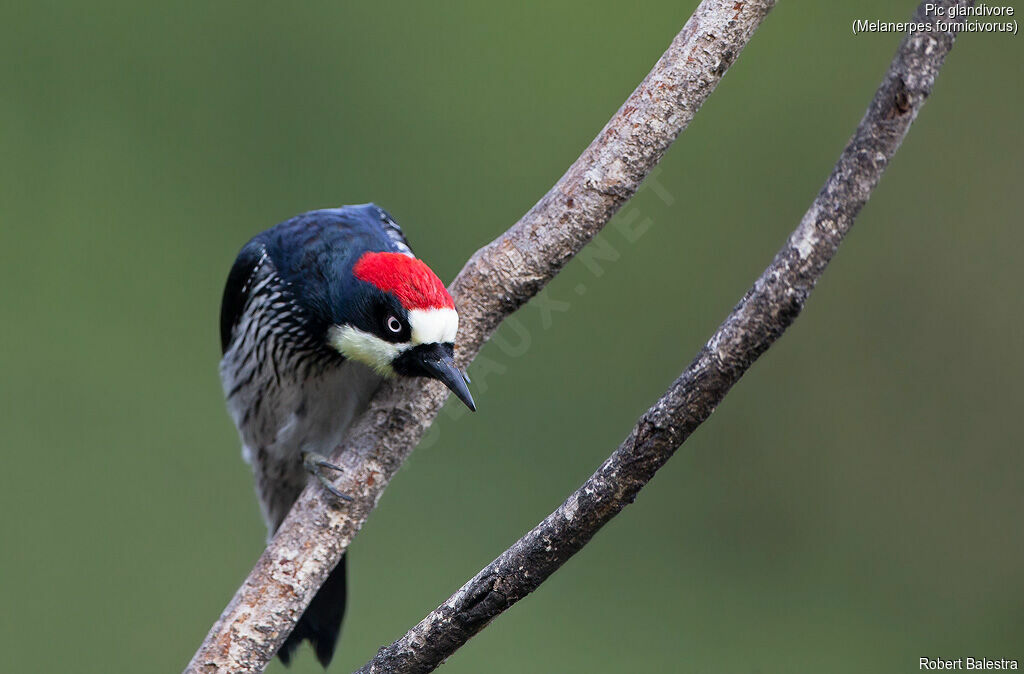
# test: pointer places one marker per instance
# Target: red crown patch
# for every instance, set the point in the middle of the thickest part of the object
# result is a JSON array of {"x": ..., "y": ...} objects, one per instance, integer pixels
[{"x": 410, "y": 280}]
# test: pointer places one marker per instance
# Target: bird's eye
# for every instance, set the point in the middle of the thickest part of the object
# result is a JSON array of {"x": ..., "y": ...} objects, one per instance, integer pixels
[{"x": 394, "y": 325}]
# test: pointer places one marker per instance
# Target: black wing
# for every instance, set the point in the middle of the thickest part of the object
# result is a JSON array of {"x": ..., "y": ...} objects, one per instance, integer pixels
[
  {"x": 392, "y": 230},
  {"x": 236, "y": 291}
]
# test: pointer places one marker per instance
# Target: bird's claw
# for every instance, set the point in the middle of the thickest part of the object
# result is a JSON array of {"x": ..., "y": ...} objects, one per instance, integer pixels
[{"x": 314, "y": 463}]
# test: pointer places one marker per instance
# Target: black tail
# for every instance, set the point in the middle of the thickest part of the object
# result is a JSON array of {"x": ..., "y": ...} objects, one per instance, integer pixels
[{"x": 321, "y": 623}]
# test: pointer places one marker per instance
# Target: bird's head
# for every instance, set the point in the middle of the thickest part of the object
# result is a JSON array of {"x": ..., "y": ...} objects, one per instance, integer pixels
[{"x": 401, "y": 321}]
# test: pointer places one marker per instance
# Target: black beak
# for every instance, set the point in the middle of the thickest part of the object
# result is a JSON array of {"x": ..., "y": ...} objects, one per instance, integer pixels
[{"x": 435, "y": 361}]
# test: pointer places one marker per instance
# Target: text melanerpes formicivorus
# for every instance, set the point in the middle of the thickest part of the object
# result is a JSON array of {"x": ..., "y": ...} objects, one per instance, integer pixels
[{"x": 316, "y": 311}]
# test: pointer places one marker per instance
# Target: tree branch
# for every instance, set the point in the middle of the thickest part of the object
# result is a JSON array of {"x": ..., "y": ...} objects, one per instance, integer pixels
[
  {"x": 496, "y": 281},
  {"x": 760, "y": 318}
]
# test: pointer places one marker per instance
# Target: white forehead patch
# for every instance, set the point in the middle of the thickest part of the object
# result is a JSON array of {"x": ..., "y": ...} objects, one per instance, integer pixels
[
  {"x": 431, "y": 326},
  {"x": 365, "y": 348}
]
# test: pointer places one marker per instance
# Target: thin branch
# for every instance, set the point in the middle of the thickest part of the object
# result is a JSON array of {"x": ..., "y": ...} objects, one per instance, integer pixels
[
  {"x": 763, "y": 314},
  {"x": 496, "y": 281}
]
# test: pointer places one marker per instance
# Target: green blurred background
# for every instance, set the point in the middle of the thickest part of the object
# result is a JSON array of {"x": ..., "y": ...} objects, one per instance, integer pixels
[{"x": 854, "y": 504}]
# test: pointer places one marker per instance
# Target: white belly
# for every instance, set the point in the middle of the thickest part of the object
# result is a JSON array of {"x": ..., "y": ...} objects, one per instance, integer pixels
[{"x": 280, "y": 414}]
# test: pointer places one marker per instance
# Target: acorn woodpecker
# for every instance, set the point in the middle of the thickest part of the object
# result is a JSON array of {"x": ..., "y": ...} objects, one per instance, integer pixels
[{"x": 317, "y": 310}]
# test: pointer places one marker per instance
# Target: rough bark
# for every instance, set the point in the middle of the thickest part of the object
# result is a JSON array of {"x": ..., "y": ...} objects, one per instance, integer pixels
[
  {"x": 496, "y": 281},
  {"x": 766, "y": 310}
]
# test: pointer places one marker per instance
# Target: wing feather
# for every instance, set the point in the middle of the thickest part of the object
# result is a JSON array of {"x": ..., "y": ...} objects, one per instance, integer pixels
[{"x": 236, "y": 290}]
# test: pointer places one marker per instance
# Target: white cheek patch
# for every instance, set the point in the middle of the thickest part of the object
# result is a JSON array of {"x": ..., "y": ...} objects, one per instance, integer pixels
[
  {"x": 365, "y": 348},
  {"x": 430, "y": 326}
]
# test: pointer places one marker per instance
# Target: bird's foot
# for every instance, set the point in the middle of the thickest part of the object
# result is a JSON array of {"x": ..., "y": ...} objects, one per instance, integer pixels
[{"x": 314, "y": 464}]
